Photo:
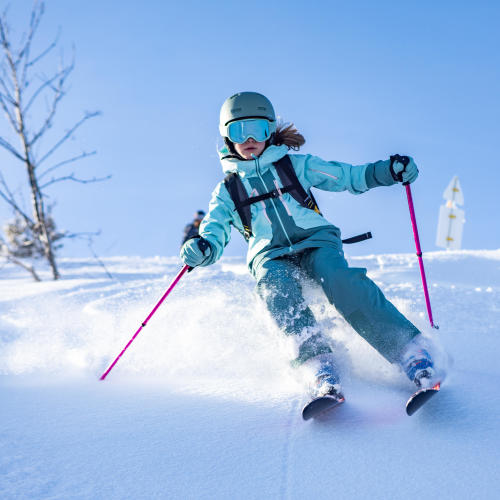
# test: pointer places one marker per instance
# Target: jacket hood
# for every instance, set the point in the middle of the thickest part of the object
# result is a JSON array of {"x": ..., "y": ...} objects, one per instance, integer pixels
[{"x": 231, "y": 164}]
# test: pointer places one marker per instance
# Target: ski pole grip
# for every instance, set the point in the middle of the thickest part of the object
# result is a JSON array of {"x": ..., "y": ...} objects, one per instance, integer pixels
[
  {"x": 404, "y": 160},
  {"x": 203, "y": 245}
]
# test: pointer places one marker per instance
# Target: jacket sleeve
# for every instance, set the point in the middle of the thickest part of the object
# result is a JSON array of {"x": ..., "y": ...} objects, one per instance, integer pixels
[
  {"x": 338, "y": 176},
  {"x": 216, "y": 225},
  {"x": 379, "y": 174}
]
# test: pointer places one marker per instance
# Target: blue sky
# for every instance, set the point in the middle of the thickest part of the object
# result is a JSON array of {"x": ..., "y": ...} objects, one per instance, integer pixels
[{"x": 361, "y": 81}]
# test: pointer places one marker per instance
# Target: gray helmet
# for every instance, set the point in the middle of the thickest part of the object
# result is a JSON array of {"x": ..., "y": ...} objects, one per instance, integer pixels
[{"x": 246, "y": 105}]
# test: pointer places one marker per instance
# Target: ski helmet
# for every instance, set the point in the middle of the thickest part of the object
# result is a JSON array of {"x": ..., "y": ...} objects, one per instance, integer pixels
[{"x": 246, "y": 105}]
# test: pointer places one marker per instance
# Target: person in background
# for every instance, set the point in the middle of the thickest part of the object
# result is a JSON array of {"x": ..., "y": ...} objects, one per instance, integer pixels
[{"x": 191, "y": 230}]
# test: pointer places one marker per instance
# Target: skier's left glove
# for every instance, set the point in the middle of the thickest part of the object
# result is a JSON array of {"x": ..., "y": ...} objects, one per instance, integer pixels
[
  {"x": 403, "y": 169},
  {"x": 196, "y": 252}
]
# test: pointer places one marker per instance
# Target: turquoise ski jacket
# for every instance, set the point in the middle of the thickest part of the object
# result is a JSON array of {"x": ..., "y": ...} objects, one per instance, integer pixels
[{"x": 282, "y": 226}]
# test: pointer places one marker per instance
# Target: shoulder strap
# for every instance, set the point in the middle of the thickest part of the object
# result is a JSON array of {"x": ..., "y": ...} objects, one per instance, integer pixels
[
  {"x": 292, "y": 184},
  {"x": 239, "y": 195}
]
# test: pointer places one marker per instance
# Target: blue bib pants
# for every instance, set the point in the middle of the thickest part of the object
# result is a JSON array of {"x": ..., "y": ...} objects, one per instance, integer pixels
[{"x": 355, "y": 296}]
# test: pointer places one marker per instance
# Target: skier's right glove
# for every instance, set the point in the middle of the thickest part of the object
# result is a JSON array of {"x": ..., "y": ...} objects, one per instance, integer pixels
[{"x": 196, "y": 252}]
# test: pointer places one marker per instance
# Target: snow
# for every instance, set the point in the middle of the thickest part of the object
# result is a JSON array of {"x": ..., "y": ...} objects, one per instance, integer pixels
[{"x": 204, "y": 405}]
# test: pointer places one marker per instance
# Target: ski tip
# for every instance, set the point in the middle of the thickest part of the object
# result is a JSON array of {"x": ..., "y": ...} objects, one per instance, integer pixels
[
  {"x": 319, "y": 406},
  {"x": 420, "y": 398}
]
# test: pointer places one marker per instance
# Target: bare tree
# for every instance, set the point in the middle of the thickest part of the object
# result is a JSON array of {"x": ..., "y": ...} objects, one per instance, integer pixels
[{"x": 29, "y": 101}]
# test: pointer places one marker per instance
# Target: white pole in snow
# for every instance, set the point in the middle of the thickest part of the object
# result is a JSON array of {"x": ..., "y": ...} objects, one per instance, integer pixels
[{"x": 451, "y": 218}]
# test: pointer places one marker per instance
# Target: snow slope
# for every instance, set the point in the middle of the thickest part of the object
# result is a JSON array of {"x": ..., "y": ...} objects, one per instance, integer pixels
[{"x": 204, "y": 405}]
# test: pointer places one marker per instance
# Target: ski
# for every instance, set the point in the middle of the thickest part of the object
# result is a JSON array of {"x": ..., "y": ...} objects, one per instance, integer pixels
[
  {"x": 420, "y": 398},
  {"x": 319, "y": 405}
]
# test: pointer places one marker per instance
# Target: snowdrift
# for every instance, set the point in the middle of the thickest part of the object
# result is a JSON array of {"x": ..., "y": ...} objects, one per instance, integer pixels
[{"x": 204, "y": 404}]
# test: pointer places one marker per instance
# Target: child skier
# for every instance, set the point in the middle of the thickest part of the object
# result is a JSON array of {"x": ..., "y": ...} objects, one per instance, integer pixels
[{"x": 288, "y": 237}]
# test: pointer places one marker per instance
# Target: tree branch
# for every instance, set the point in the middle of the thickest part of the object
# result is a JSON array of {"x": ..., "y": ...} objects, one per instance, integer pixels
[
  {"x": 36, "y": 16},
  {"x": 52, "y": 46},
  {"x": 6, "y": 47},
  {"x": 48, "y": 83},
  {"x": 20, "y": 263},
  {"x": 59, "y": 94},
  {"x": 74, "y": 179},
  {"x": 10, "y": 199},
  {"x": 7, "y": 112},
  {"x": 11, "y": 149},
  {"x": 65, "y": 162},
  {"x": 90, "y": 241},
  {"x": 67, "y": 135},
  {"x": 3, "y": 30},
  {"x": 7, "y": 91},
  {"x": 7, "y": 253}
]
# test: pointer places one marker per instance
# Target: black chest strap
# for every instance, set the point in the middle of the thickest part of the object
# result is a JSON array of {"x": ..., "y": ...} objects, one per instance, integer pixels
[{"x": 291, "y": 184}]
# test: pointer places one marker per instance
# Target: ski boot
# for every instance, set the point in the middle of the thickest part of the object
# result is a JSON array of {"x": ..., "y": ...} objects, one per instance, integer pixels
[
  {"x": 418, "y": 366},
  {"x": 327, "y": 382},
  {"x": 326, "y": 392}
]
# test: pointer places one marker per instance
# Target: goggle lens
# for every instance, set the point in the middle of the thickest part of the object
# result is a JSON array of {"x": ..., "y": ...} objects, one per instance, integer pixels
[{"x": 241, "y": 130}]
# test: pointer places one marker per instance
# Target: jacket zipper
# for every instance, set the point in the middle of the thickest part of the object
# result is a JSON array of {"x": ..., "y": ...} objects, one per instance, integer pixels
[{"x": 257, "y": 165}]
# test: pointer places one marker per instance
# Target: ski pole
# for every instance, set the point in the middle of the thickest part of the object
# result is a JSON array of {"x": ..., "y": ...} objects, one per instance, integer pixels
[
  {"x": 419, "y": 253},
  {"x": 145, "y": 322}
]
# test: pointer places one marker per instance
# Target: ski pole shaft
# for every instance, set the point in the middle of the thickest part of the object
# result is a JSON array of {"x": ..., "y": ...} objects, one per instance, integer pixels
[
  {"x": 145, "y": 322},
  {"x": 419, "y": 254}
]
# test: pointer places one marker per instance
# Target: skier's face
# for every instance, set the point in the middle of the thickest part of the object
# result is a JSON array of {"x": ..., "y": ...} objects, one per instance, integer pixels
[{"x": 250, "y": 147}]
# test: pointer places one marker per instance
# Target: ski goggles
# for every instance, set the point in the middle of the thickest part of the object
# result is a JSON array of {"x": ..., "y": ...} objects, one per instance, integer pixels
[{"x": 258, "y": 129}]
